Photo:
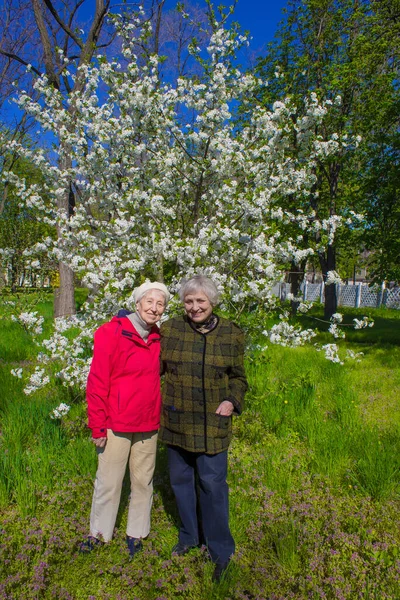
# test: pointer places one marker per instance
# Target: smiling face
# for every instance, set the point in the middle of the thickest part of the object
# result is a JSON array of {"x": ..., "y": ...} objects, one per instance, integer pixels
[
  {"x": 198, "y": 307},
  {"x": 151, "y": 306}
]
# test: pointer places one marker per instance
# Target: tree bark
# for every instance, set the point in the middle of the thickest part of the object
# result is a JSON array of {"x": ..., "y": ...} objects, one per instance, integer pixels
[
  {"x": 64, "y": 297},
  {"x": 296, "y": 277},
  {"x": 328, "y": 263}
]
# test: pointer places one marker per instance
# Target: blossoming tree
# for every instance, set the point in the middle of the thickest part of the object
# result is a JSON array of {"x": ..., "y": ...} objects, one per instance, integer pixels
[{"x": 168, "y": 184}]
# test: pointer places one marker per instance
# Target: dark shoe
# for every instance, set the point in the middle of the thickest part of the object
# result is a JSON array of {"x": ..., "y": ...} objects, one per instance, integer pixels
[
  {"x": 219, "y": 571},
  {"x": 181, "y": 549},
  {"x": 134, "y": 545},
  {"x": 90, "y": 544}
]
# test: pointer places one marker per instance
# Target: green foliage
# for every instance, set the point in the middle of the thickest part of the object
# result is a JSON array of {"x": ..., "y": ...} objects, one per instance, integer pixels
[
  {"x": 313, "y": 475},
  {"x": 20, "y": 229},
  {"x": 347, "y": 49},
  {"x": 381, "y": 203}
]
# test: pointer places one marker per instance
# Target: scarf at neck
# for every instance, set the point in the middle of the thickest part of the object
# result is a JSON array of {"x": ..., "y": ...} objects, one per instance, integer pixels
[
  {"x": 208, "y": 325},
  {"x": 141, "y": 326}
]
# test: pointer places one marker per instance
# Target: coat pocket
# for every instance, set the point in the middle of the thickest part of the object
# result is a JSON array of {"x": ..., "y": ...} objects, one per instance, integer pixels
[
  {"x": 185, "y": 423},
  {"x": 218, "y": 426},
  {"x": 173, "y": 416}
]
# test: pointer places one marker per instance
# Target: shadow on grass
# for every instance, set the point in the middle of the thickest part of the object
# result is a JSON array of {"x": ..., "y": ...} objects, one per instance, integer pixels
[{"x": 385, "y": 331}]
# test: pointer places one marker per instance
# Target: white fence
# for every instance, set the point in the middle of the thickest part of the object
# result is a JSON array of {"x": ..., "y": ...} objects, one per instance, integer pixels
[{"x": 357, "y": 295}]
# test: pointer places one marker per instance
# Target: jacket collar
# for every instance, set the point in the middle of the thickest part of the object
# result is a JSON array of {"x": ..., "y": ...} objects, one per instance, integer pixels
[{"x": 130, "y": 331}]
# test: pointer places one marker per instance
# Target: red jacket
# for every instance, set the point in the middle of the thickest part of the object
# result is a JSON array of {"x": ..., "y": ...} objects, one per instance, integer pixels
[{"x": 123, "y": 387}]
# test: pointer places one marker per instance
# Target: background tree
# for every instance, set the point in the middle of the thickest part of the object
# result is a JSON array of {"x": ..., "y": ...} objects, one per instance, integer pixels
[
  {"x": 379, "y": 189},
  {"x": 61, "y": 37},
  {"x": 329, "y": 47},
  {"x": 163, "y": 170},
  {"x": 20, "y": 231},
  {"x": 59, "y": 40},
  {"x": 382, "y": 207}
]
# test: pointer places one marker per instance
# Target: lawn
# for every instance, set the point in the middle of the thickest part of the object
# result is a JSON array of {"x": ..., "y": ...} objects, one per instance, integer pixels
[{"x": 314, "y": 480}]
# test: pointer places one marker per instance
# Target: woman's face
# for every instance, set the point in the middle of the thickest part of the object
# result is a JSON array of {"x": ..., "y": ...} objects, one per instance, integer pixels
[
  {"x": 198, "y": 307},
  {"x": 151, "y": 306}
]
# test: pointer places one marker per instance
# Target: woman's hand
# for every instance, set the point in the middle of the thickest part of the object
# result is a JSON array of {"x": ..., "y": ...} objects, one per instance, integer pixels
[
  {"x": 225, "y": 409},
  {"x": 99, "y": 442}
]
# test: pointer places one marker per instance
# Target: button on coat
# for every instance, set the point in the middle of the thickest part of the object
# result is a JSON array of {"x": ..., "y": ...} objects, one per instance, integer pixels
[{"x": 201, "y": 371}]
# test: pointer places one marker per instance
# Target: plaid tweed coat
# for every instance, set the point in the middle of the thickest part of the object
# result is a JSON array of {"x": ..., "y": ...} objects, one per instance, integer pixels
[{"x": 201, "y": 370}]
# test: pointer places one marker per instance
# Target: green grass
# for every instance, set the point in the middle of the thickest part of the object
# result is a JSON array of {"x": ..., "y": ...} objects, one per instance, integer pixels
[
  {"x": 298, "y": 392},
  {"x": 314, "y": 480},
  {"x": 385, "y": 331}
]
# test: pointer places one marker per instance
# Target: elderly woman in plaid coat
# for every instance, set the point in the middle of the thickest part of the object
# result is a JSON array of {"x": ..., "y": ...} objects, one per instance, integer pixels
[{"x": 204, "y": 384}]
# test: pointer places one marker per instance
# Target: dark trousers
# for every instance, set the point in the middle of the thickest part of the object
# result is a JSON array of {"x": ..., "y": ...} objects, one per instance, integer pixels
[{"x": 211, "y": 471}]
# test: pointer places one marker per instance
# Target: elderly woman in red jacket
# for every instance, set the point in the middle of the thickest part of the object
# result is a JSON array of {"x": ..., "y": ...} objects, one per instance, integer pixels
[{"x": 124, "y": 404}]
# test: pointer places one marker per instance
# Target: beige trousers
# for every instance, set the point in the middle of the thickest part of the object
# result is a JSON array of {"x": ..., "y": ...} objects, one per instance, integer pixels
[{"x": 140, "y": 450}]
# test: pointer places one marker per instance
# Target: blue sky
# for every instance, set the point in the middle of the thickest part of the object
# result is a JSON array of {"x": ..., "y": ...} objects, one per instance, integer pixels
[{"x": 260, "y": 17}]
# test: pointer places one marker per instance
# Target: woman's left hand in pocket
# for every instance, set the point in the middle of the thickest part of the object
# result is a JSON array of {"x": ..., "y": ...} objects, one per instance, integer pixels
[{"x": 225, "y": 409}]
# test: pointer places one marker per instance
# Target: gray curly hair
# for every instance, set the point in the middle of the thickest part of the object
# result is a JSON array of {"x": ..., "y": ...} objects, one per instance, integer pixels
[{"x": 199, "y": 283}]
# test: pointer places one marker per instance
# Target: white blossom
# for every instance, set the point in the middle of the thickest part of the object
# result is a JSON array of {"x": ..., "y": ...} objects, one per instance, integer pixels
[
  {"x": 337, "y": 318},
  {"x": 304, "y": 307},
  {"x": 16, "y": 373},
  {"x": 363, "y": 323},
  {"x": 60, "y": 411},
  {"x": 351, "y": 355},
  {"x": 332, "y": 277},
  {"x": 331, "y": 353},
  {"x": 336, "y": 331},
  {"x": 30, "y": 321},
  {"x": 288, "y": 335},
  {"x": 166, "y": 177},
  {"x": 37, "y": 380}
]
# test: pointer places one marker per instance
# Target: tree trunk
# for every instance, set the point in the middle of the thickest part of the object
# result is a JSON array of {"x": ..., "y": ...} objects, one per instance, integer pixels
[
  {"x": 328, "y": 263},
  {"x": 296, "y": 277},
  {"x": 64, "y": 296},
  {"x": 160, "y": 267},
  {"x": 330, "y": 301},
  {"x": 13, "y": 276}
]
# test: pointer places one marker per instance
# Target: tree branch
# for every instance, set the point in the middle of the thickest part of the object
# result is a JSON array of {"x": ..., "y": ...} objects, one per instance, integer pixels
[
  {"x": 20, "y": 60},
  {"x": 90, "y": 44},
  {"x": 44, "y": 36},
  {"x": 63, "y": 25}
]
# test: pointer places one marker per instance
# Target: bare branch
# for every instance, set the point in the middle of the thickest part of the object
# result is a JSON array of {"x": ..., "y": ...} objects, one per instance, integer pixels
[
  {"x": 44, "y": 36},
  {"x": 90, "y": 44},
  {"x": 63, "y": 25},
  {"x": 20, "y": 60}
]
